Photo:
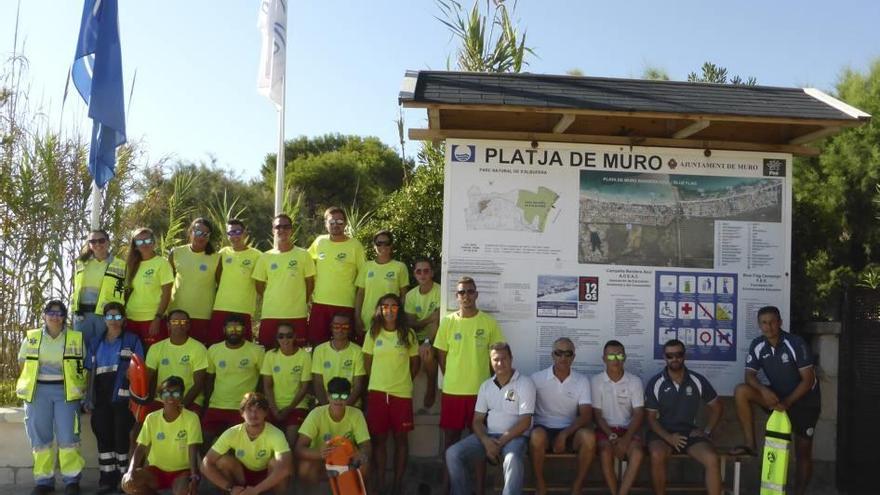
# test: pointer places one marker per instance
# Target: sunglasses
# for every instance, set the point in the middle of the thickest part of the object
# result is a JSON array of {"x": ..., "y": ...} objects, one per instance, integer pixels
[
  {"x": 339, "y": 396},
  {"x": 143, "y": 242},
  {"x": 675, "y": 355},
  {"x": 561, "y": 353},
  {"x": 422, "y": 270},
  {"x": 335, "y": 221},
  {"x": 284, "y": 336},
  {"x": 53, "y": 312},
  {"x": 116, "y": 317},
  {"x": 618, "y": 356},
  {"x": 165, "y": 394},
  {"x": 341, "y": 325},
  {"x": 102, "y": 240},
  {"x": 390, "y": 307},
  {"x": 234, "y": 232},
  {"x": 381, "y": 243},
  {"x": 234, "y": 328},
  {"x": 178, "y": 322},
  {"x": 469, "y": 292},
  {"x": 200, "y": 233},
  {"x": 283, "y": 226}
]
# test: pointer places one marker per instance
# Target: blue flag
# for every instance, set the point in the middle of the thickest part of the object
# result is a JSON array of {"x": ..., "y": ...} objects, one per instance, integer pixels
[{"x": 97, "y": 75}]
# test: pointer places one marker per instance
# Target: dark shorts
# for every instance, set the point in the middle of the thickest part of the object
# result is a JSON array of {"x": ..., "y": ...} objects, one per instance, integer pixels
[
  {"x": 552, "y": 433},
  {"x": 142, "y": 330},
  {"x": 219, "y": 420},
  {"x": 457, "y": 411},
  {"x": 601, "y": 437},
  {"x": 803, "y": 419},
  {"x": 218, "y": 322},
  {"x": 165, "y": 479},
  {"x": 254, "y": 478},
  {"x": 319, "y": 322},
  {"x": 691, "y": 441},
  {"x": 294, "y": 418},
  {"x": 200, "y": 330},
  {"x": 386, "y": 412}
]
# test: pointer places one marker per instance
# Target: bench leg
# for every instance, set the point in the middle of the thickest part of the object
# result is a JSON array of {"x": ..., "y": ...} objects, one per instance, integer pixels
[{"x": 736, "y": 471}]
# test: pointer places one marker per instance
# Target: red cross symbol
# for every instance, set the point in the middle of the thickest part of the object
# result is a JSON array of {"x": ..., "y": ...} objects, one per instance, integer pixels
[{"x": 687, "y": 308}]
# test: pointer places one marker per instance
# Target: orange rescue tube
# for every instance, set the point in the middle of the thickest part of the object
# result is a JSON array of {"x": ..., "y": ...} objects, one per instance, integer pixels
[{"x": 139, "y": 387}]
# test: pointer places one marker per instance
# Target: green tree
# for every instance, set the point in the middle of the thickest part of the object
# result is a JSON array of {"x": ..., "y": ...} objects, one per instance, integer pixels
[
  {"x": 711, "y": 73},
  {"x": 652, "y": 73}
]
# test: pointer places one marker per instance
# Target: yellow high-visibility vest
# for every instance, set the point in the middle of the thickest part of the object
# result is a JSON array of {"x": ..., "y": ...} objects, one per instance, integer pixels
[
  {"x": 112, "y": 285},
  {"x": 71, "y": 366}
]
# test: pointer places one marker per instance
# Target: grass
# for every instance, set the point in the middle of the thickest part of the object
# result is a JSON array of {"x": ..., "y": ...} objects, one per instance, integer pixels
[{"x": 7, "y": 393}]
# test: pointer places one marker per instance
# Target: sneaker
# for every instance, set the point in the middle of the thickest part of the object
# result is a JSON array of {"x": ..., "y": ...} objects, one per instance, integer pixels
[
  {"x": 42, "y": 490},
  {"x": 71, "y": 489}
]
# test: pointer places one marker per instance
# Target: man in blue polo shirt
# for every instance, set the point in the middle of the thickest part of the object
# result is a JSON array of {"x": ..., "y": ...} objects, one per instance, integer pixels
[
  {"x": 672, "y": 399},
  {"x": 788, "y": 365}
]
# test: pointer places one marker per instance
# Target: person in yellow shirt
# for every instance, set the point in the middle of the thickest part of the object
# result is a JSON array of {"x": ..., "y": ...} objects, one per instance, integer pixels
[
  {"x": 339, "y": 358},
  {"x": 233, "y": 370},
  {"x": 338, "y": 261},
  {"x": 378, "y": 277},
  {"x": 99, "y": 278},
  {"x": 391, "y": 357},
  {"x": 462, "y": 343},
  {"x": 236, "y": 289},
  {"x": 148, "y": 285},
  {"x": 167, "y": 453},
  {"x": 328, "y": 421},
  {"x": 422, "y": 306},
  {"x": 252, "y": 457},
  {"x": 285, "y": 277},
  {"x": 179, "y": 355},
  {"x": 287, "y": 379},
  {"x": 196, "y": 271}
]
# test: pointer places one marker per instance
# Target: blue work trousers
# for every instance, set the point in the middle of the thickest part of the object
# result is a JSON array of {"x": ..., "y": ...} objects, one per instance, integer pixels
[{"x": 50, "y": 418}]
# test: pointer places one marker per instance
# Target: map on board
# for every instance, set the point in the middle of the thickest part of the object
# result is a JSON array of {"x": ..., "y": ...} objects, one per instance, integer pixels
[{"x": 517, "y": 209}]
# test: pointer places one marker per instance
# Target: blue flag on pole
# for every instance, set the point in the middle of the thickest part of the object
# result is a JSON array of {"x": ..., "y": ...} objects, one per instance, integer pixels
[{"x": 97, "y": 75}]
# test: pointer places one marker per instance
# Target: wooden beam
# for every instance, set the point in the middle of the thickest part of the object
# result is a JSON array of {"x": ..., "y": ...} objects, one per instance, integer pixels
[
  {"x": 642, "y": 115},
  {"x": 433, "y": 135},
  {"x": 692, "y": 129},
  {"x": 564, "y": 122},
  {"x": 815, "y": 135},
  {"x": 434, "y": 118}
]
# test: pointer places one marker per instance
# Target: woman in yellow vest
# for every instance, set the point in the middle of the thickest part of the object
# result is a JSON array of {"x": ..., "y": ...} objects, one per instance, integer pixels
[
  {"x": 99, "y": 279},
  {"x": 149, "y": 278},
  {"x": 52, "y": 384},
  {"x": 195, "y": 280}
]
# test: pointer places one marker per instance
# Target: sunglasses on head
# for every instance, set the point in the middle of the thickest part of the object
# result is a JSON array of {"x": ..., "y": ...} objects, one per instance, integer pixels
[
  {"x": 165, "y": 394},
  {"x": 234, "y": 232},
  {"x": 335, "y": 221},
  {"x": 116, "y": 317},
  {"x": 143, "y": 242},
  {"x": 102, "y": 240},
  {"x": 462, "y": 292},
  {"x": 617, "y": 356},
  {"x": 675, "y": 355},
  {"x": 54, "y": 312},
  {"x": 561, "y": 353},
  {"x": 342, "y": 396},
  {"x": 283, "y": 226},
  {"x": 285, "y": 335},
  {"x": 200, "y": 233}
]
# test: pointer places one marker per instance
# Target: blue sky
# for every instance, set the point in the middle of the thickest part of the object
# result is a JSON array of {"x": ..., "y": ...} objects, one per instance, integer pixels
[{"x": 196, "y": 60}]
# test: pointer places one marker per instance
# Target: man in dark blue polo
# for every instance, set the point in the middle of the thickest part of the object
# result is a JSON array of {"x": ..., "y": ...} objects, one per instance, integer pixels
[
  {"x": 788, "y": 365},
  {"x": 672, "y": 399}
]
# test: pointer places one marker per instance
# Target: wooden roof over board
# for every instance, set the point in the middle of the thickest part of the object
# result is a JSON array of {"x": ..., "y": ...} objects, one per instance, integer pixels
[{"x": 540, "y": 107}]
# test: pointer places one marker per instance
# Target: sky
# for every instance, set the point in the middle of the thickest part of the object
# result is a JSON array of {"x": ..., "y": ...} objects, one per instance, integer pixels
[{"x": 196, "y": 61}]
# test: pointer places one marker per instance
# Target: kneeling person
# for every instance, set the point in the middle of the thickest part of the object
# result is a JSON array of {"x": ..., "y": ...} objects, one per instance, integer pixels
[
  {"x": 169, "y": 443},
  {"x": 252, "y": 457},
  {"x": 562, "y": 413}
]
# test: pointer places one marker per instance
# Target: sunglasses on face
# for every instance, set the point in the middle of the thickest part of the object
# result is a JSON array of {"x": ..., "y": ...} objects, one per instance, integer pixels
[
  {"x": 102, "y": 240},
  {"x": 200, "y": 233},
  {"x": 618, "y": 356},
  {"x": 234, "y": 232},
  {"x": 143, "y": 242},
  {"x": 339, "y": 396},
  {"x": 335, "y": 221},
  {"x": 469, "y": 292},
  {"x": 675, "y": 355},
  {"x": 166, "y": 394},
  {"x": 234, "y": 328},
  {"x": 113, "y": 317},
  {"x": 178, "y": 322},
  {"x": 54, "y": 312},
  {"x": 561, "y": 353},
  {"x": 420, "y": 271},
  {"x": 341, "y": 326},
  {"x": 282, "y": 336},
  {"x": 390, "y": 307},
  {"x": 283, "y": 226},
  {"x": 381, "y": 243}
]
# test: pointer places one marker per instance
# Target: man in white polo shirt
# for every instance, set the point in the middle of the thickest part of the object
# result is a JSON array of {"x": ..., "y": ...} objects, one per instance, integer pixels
[
  {"x": 618, "y": 401},
  {"x": 502, "y": 418},
  {"x": 562, "y": 414}
]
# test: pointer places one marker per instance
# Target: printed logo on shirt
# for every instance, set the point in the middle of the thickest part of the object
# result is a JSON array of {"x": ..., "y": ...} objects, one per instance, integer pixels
[
  {"x": 165, "y": 361},
  {"x": 239, "y": 453},
  {"x": 784, "y": 358},
  {"x": 203, "y": 267},
  {"x": 510, "y": 395},
  {"x": 389, "y": 275},
  {"x": 370, "y": 274},
  {"x": 246, "y": 263},
  {"x": 322, "y": 255},
  {"x": 341, "y": 257},
  {"x": 291, "y": 264},
  {"x": 273, "y": 266},
  {"x": 327, "y": 365},
  {"x": 160, "y": 436},
  {"x": 229, "y": 260},
  {"x": 689, "y": 391},
  {"x": 276, "y": 368},
  {"x": 149, "y": 272},
  {"x": 221, "y": 364},
  {"x": 261, "y": 453},
  {"x": 181, "y": 434},
  {"x": 379, "y": 343},
  {"x": 457, "y": 336},
  {"x": 243, "y": 363},
  {"x": 297, "y": 369},
  {"x": 184, "y": 359},
  {"x": 348, "y": 364}
]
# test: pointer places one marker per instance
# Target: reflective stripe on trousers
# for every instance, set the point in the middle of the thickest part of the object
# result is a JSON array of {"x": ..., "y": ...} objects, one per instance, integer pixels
[{"x": 48, "y": 410}]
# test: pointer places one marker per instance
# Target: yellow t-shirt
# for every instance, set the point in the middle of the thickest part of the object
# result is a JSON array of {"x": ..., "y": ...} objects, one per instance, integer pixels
[
  {"x": 378, "y": 280},
  {"x": 253, "y": 454},
  {"x": 236, "y": 372},
  {"x": 285, "y": 275},
  {"x": 288, "y": 373},
  {"x": 93, "y": 277},
  {"x": 146, "y": 288},
  {"x": 236, "y": 292},
  {"x": 422, "y": 305},
  {"x": 169, "y": 442},
  {"x": 466, "y": 342},
  {"x": 320, "y": 427},
  {"x": 330, "y": 363},
  {"x": 389, "y": 372},
  {"x": 178, "y": 360},
  {"x": 337, "y": 265},
  {"x": 195, "y": 282}
]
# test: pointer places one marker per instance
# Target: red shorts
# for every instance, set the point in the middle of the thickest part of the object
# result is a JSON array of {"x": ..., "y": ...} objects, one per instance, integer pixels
[
  {"x": 218, "y": 321},
  {"x": 165, "y": 479},
  {"x": 254, "y": 478},
  {"x": 457, "y": 411},
  {"x": 319, "y": 322},
  {"x": 294, "y": 418},
  {"x": 269, "y": 328},
  {"x": 601, "y": 437},
  {"x": 219, "y": 420},
  {"x": 387, "y": 412},
  {"x": 201, "y": 331},
  {"x": 142, "y": 330}
]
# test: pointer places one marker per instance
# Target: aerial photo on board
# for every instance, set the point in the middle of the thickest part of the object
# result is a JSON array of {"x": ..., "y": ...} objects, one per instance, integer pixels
[{"x": 650, "y": 219}]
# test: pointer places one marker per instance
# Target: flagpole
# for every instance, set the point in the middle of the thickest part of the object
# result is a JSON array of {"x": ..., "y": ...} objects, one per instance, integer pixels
[
  {"x": 95, "y": 217},
  {"x": 279, "y": 162}
]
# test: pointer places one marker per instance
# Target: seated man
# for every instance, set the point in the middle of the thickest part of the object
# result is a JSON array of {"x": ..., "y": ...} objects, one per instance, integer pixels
[
  {"x": 788, "y": 364},
  {"x": 328, "y": 421},
  {"x": 562, "y": 413},
  {"x": 169, "y": 443},
  {"x": 502, "y": 418},
  {"x": 672, "y": 398},
  {"x": 251, "y": 457},
  {"x": 618, "y": 403}
]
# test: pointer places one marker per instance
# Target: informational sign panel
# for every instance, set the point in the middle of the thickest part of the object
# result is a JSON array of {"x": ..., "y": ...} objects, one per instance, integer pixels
[{"x": 637, "y": 244}]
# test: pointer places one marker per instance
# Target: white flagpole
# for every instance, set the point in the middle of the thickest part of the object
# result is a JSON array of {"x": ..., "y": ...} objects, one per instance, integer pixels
[
  {"x": 95, "y": 217},
  {"x": 279, "y": 162}
]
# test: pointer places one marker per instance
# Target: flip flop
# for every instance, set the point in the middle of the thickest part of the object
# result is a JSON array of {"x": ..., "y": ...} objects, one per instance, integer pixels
[{"x": 743, "y": 450}]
